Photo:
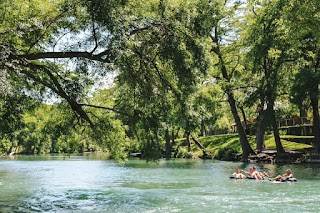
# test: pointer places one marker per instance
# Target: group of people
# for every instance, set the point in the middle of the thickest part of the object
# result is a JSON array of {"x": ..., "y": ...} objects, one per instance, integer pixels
[{"x": 253, "y": 173}]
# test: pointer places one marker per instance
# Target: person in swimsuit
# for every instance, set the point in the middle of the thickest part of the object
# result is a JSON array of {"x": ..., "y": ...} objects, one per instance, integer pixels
[
  {"x": 254, "y": 174},
  {"x": 238, "y": 174},
  {"x": 286, "y": 176}
]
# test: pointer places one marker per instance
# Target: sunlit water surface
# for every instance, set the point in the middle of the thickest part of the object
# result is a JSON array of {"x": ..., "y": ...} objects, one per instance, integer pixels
[{"x": 92, "y": 184}]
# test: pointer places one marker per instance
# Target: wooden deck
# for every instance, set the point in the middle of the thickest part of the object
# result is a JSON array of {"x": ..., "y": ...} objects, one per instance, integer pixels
[
  {"x": 296, "y": 126},
  {"x": 295, "y": 121}
]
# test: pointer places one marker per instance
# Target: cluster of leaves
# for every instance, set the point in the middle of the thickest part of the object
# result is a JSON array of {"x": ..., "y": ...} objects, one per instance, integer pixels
[{"x": 177, "y": 63}]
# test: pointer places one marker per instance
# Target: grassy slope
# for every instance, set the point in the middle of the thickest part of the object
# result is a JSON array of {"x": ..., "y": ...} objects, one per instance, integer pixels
[{"x": 228, "y": 146}]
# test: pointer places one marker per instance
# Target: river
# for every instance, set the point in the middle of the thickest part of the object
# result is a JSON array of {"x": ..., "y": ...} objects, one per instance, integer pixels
[{"x": 90, "y": 183}]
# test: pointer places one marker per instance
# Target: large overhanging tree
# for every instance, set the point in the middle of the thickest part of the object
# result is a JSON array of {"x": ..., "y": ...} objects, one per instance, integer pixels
[
  {"x": 151, "y": 44},
  {"x": 30, "y": 35},
  {"x": 159, "y": 49}
]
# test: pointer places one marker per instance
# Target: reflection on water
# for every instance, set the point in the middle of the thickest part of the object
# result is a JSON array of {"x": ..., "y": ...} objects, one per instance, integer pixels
[{"x": 91, "y": 183}]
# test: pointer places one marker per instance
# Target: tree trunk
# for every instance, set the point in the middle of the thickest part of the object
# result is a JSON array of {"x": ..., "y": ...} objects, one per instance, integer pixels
[
  {"x": 177, "y": 134},
  {"x": 203, "y": 128},
  {"x": 172, "y": 138},
  {"x": 168, "y": 144},
  {"x": 260, "y": 132},
  {"x": 316, "y": 122},
  {"x": 303, "y": 108},
  {"x": 276, "y": 135},
  {"x": 10, "y": 150},
  {"x": 188, "y": 141},
  {"x": 200, "y": 146},
  {"x": 244, "y": 118},
  {"x": 246, "y": 148}
]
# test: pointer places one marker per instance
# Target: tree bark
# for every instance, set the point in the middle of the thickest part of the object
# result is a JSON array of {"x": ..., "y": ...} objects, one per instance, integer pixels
[
  {"x": 316, "y": 121},
  {"x": 260, "y": 132},
  {"x": 271, "y": 77},
  {"x": 102, "y": 56},
  {"x": 168, "y": 144},
  {"x": 203, "y": 128},
  {"x": 276, "y": 135},
  {"x": 246, "y": 148},
  {"x": 173, "y": 137},
  {"x": 188, "y": 141},
  {"x": 244, "y": 118},
  {"x": 303, "y": 108},
  {"x": 200, "y": 146}
]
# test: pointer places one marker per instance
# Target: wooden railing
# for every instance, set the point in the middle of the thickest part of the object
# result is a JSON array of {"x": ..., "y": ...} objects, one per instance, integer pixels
[{"x": 296, "y": 121}]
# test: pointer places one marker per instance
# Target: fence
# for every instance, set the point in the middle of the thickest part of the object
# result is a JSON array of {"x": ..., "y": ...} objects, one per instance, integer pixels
[{"x": 295, "y": 121}]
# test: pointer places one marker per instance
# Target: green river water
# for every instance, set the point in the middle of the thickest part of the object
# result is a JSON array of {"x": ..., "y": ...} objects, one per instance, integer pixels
[{"x": 92, "y": 184}]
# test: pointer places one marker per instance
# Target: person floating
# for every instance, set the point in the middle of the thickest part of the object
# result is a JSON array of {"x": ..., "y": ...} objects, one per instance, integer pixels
[
  {"x": 252, "y": 173},
  {"x": 255, "y": 174},
  {"x": 238, "y": 174},
  {"x": 288, "y": 176}
]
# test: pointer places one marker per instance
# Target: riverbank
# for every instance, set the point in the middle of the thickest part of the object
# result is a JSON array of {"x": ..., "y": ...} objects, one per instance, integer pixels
[{"x": 227, "y": 147}]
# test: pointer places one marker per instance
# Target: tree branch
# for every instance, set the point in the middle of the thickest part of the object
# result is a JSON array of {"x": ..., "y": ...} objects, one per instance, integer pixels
[
  {"x": 137, "y": 30},
  {"x": 57, "y": 88},
  {"x": 235, "y": 66},
  {"x": 94, "y": 36},
  {"x": 244, "y": 87},
  {"x": 44, "y": 55},
  {"x": 106, "y": 108}
]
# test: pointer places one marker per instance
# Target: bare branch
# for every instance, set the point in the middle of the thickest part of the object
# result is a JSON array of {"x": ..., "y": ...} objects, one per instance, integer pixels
[
  {"x": 106, "y": 108},
  {"x": 102, "y": 56},
  {"x": 99, "y": 107},
  {"x": 94, "y": 36}
]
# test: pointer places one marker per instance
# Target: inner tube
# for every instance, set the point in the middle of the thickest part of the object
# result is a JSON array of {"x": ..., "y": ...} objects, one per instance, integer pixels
[
  {"x": 233, "y": 177},
  {"x": 251, "y": 178},
  {"x": 289, "y": 180},
  {"x": 285, "y": 180}
]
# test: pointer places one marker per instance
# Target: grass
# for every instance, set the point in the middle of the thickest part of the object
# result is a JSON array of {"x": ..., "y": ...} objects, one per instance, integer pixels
[
  {"x": 227, "y": 147},
  {"x": 295, "y": 136},
  {"x": 287, "y": 145}
]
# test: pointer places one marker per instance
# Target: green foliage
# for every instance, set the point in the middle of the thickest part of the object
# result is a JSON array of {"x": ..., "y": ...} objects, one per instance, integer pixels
[
  {"x": 167, "y": 56},
  {"x": 163, "y": 61},
  {"x": 183, "y": 153}
]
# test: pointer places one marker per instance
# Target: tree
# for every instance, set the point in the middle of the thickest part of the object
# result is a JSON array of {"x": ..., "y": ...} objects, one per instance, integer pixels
[
  {"x": 12, "y": 108},
  {"x": 305, "y": 40},
  {"x": 163, "y": 61},
  {"x": 268, "y": 52},
  {"x": 224, "y": 37},
  {"x": 38, "y": 41}
]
